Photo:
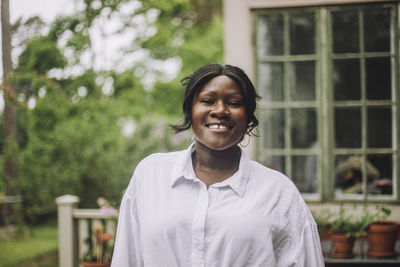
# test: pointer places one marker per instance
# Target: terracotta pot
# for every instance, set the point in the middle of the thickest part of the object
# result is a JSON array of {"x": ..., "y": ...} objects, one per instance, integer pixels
[
  {"x": 382, "y": 239},
  {"x": 96, "y": 264},
  {"x": 343, "y": 246},
  {"x": 326, "y": 234}
]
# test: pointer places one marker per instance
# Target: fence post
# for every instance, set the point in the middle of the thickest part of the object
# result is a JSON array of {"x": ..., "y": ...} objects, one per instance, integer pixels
[{"x": 66, "y": 243}]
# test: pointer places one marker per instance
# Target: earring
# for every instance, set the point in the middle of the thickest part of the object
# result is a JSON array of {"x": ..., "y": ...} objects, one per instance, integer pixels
[
  {"x": 248, "y": 141},
  {"x": 189, "y": 137}
]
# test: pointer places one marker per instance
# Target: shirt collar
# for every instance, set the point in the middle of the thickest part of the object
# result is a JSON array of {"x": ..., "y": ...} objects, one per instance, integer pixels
[{"x": 183, "y": 170}]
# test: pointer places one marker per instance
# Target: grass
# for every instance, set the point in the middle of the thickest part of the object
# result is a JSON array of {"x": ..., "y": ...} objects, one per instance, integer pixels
[
  {"x": 39, "y": 249},
  {"x": 49, "y": 259}
]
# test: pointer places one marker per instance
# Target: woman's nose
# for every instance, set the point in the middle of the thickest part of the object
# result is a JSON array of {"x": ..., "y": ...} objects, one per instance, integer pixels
[{"x": 220, "y": 109}]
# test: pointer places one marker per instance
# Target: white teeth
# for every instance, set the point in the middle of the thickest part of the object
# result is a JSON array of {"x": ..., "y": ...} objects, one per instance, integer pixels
[{"x": 217, "y": 126}]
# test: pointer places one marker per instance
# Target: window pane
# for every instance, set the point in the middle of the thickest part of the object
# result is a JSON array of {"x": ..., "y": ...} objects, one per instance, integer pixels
[
  {"x": 377, "y": 29},
  {"x": 345, "y": 31},
  {"x": 302, "y": 80},
  {"x": 270, "y": 81},
  {"x": 346, "y": 79},
  {"x": 348, "y": 174},
  {"x": 273, "y": 128},
  {"x": 275, "y": 162},
  {"x": 378, "y": 78},
  {"x": 379, "y": 133},
  {"x": 303, "y": 128},
  {"x": 304, "y": 173},
  {"x": 381, "y": 174},
  {"x": 270, "y": 35},
  {"x": 302, "y": 33},
  {"x": 347, "y": 128}
]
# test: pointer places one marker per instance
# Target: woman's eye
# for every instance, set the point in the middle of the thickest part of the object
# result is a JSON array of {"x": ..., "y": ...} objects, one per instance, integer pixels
[
  {"x": 207, "y": 101},
  {"x": 235, "y": 104}
]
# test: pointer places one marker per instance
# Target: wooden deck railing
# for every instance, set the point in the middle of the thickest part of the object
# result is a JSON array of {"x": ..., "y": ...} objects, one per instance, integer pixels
[{"x": 74, "y": 227}]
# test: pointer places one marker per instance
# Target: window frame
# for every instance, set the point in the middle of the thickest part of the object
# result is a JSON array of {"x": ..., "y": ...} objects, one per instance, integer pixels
[{"x": 325, "y": 104}]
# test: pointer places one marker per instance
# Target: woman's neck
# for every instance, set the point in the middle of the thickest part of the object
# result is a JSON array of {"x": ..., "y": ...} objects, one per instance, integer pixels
[{"x": 213, "y": 166}]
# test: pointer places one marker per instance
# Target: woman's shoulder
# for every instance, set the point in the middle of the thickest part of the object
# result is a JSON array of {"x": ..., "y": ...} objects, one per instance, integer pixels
[
  {"x": 159, "y": 159},
  {"x": 160, "y": 156},
  {"x": 267, "y": 174},
  {"x": 279, "y": 189},
  {"x": 162, "y": 162},
  {"x": 272, "y": 182},
  {"x": 154, "y": 167}
]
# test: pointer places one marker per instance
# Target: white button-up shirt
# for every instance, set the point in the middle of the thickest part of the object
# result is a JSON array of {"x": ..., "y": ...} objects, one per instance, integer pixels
[{"x": 256, "y": 217}]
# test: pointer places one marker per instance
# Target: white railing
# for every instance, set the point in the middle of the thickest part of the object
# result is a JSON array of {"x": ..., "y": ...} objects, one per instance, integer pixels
[{"x": 74, "y": 227}]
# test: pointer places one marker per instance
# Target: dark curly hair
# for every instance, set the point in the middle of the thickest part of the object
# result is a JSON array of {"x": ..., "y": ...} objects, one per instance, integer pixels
[{"x": 195, "y": 82}]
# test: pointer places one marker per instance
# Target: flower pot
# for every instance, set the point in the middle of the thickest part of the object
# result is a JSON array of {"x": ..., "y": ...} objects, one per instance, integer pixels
[
  {"x": 96, "y": 264},
  {"x": 343, "y": 246},
  {"x": 382, "y": 239},
  {"x": 325, "y": 234}
]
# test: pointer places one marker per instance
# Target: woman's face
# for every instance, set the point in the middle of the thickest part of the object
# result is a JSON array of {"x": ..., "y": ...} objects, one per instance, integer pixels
[{"x": 219, "y": 118}]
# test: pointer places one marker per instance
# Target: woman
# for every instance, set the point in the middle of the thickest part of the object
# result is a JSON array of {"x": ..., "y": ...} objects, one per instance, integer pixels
[{"x": 210, "y": 205}]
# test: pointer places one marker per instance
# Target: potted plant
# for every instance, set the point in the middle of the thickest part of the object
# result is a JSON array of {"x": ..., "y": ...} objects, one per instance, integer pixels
[
  {"x": 382, "y": 235},
  {"x": 100, "y": 251},
  {"x": 323, "y": 220},
  {"x": 345, "y": 229}
]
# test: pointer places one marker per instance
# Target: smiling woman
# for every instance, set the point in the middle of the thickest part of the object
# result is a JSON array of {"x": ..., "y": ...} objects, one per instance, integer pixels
[
  {"x": 210, "y": 205},
  {"x": 195, "y": 83},
  {"x": 219, "y": 118}
]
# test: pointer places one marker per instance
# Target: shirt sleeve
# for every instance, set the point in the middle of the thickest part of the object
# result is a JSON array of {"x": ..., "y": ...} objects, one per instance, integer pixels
[
  {"x": 299, "y": 249},
  {"x": 309, "y": 252},
  {"x": 297, "y": 244},
  {"x": 127, "y": 249}
]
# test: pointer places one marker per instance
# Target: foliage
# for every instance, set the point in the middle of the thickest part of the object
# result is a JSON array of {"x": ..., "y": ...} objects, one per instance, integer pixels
[
  {"x": 351, "y": 225},
  {"x": 79, "y": 140},
  {"x": 78, "y": 148},
  {"x": 203, "y": 45},
  {"x": 347, "y": 222},
  {"x": 40, "y": 55},
  {"x": 382, "y": 213}
]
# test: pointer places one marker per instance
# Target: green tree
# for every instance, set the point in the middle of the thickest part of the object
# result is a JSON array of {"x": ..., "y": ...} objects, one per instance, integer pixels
[
  {"x": 88, "y": 131},
  {"x": 40, "y": 55}
]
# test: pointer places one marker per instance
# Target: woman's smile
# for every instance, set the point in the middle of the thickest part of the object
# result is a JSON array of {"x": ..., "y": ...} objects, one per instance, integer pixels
[{"x": 219, "y": 126}]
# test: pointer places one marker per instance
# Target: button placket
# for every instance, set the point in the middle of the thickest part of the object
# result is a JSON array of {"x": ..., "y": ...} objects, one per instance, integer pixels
[{"x": 198, "y": 230}]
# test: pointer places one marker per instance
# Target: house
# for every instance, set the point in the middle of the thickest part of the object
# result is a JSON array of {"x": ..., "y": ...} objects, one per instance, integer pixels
[{"x": 328, "y": 74}]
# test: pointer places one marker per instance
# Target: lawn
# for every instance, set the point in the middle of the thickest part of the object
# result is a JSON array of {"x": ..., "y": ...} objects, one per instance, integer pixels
[{"x": 36, "y": 250}]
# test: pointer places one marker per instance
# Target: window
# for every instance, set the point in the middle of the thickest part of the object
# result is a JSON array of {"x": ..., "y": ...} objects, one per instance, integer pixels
[{"x": 328, "y": 77}]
